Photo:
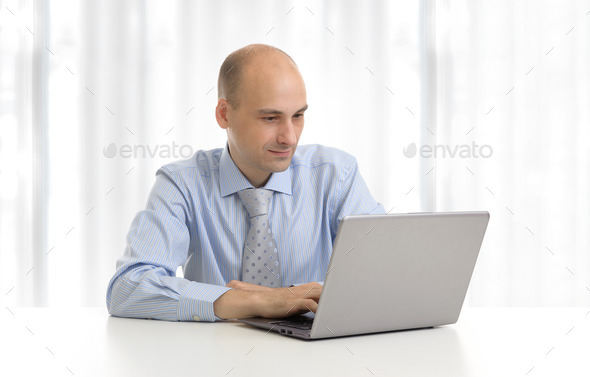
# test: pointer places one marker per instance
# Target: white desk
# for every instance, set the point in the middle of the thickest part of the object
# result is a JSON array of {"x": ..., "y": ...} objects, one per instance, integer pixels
[{"x": 485, "y": 342}]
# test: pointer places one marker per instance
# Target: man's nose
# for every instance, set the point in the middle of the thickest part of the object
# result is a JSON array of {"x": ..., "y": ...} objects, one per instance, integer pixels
[{"x": 287, "y": 133}]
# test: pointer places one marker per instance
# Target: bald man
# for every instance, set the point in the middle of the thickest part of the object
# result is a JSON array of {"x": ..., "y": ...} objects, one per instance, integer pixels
[{"x": 253, "y": 223}]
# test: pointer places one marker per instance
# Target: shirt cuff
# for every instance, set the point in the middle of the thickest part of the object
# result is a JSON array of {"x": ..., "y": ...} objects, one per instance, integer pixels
[{"x": 196, "y": 302}]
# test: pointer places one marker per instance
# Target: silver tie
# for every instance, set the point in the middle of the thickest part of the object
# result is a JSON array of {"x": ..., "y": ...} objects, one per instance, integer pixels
[{"x": 260, "y": 262}]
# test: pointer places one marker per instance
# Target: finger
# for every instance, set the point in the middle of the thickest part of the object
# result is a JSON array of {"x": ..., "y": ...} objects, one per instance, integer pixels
[
  {"x": 299, "y": 308},
  {"x": 314, "y": 292},
  {"x": 306, "y": 289},
  {"x": 311, "y": 305},
  {"x": 316, "y": 299}
]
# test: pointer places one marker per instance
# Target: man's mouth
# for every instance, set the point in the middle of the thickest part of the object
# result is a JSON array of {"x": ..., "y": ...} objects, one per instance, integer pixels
[{"x": 281, "y": 153}]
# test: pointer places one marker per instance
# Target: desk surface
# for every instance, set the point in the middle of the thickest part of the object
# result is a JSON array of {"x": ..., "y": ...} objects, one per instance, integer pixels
[{"x": 485, "y": 342}]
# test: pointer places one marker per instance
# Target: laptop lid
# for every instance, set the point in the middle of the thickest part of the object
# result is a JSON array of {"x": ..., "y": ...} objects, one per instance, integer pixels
[{"x": 401, "y": 271}]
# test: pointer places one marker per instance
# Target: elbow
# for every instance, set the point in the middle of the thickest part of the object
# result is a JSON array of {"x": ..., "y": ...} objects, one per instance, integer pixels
[
  {"x": 117, "y": 299},
  {"x": 113, "y": 304}
]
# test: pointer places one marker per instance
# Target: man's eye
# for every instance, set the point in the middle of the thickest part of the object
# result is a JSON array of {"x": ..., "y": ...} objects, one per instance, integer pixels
[
  {"x": 270, "y": 119},
  {"x": 298, "y": 116}
]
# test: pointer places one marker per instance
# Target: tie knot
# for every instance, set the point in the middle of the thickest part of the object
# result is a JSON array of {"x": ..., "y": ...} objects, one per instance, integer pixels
[{"x": 256, "y": 201}]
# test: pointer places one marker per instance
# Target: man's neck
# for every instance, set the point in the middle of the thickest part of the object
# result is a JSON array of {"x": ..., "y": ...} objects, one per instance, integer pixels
[{"x": 257, "y": 182}]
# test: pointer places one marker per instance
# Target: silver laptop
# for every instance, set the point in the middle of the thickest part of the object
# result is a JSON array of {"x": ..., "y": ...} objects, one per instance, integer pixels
[{"x": 392, "y": 272}]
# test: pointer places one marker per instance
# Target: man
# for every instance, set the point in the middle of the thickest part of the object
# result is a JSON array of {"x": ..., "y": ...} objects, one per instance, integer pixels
[{"x": 252, "y": 223}]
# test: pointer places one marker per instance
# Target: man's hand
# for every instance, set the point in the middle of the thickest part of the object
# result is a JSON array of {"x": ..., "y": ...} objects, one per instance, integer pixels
[
  {"x": 237, "y": 284},
  {"x": 248, "y": 300}
]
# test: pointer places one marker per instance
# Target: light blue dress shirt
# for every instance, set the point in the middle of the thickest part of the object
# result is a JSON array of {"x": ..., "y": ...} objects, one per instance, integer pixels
[{"x": 195, "y": 219}]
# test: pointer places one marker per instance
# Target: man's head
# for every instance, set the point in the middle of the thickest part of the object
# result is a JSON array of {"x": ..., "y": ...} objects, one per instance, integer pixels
[{"x": 261, "y": 103}]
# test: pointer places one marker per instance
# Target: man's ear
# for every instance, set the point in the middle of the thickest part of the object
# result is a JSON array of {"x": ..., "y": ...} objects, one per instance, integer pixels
[{"x": 221, "y": 113}]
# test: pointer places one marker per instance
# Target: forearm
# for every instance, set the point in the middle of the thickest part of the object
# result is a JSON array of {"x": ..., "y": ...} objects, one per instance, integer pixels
[{"x": 148, "y": 292}]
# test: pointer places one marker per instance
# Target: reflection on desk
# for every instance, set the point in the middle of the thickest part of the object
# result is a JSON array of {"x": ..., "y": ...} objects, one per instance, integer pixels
[{"x": 485, "y": 342}]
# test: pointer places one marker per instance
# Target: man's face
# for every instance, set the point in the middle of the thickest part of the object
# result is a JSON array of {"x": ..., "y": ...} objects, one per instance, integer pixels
[{"x": 264, "y": 130}]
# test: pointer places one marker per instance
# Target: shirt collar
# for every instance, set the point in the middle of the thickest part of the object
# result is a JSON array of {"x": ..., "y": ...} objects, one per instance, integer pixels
[{"x": 231, "y": 179}]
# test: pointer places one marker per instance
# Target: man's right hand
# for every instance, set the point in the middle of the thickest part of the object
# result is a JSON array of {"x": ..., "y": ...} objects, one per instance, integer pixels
[{"x": 248, "y": 300}]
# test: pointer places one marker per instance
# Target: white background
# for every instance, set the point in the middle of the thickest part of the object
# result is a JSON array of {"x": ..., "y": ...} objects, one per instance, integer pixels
[{"x": 76, "y": 77}]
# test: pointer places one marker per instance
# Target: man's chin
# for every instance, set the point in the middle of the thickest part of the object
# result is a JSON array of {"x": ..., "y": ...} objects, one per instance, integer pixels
[{"x": 280, "y": 166}]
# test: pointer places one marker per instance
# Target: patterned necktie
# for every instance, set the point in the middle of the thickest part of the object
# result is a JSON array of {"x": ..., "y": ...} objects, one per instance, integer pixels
[{"x": 260, "y": 262}]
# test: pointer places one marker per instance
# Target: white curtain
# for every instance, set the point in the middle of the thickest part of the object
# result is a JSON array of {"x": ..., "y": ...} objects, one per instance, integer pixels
[
  {"x": 95, "y": 96},
  {"x": 514, "y": 76}
]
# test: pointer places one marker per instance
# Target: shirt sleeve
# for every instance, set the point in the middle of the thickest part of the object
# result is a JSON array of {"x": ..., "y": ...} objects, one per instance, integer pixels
[
  {"x": 145, "y": 284},
  {"x": 352, "y": 197}
]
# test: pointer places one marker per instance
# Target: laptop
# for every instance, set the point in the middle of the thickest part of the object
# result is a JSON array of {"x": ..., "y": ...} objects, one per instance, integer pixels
[{"x": 392, "y": 272}]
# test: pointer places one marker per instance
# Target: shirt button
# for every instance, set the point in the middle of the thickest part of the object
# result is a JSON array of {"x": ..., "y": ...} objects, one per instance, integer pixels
[{"x": 197, "y": 318}]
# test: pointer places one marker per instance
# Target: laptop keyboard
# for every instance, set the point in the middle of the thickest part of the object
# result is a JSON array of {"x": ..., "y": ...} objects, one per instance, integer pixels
[{"x": 300, "y": 323}]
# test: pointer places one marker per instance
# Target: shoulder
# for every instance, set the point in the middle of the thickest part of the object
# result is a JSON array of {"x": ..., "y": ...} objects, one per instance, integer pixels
[
  {"x": 200, "y": 163},
  {"x": 188, "y": 175},
  {"x": 315, "y": 155}
]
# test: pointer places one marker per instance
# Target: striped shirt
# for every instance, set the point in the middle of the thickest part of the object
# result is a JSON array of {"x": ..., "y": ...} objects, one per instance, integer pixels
[{"x": 195, "y": 219}]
